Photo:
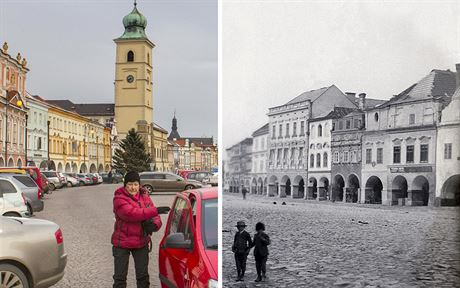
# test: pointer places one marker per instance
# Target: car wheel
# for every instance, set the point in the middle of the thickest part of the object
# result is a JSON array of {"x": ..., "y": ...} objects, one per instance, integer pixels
[
  {"x": 149, "y": 189},
  {"x": 30, "y": 210},
  {"x": 189, "y": 187},
  {"x": 52, "y": 187},
  {"x": 69, "y": 184},
  {"x": 12, "y": 276}
]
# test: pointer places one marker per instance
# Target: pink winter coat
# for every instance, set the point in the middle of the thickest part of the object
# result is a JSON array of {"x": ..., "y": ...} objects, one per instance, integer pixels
[{"x": 129, "y": 214}]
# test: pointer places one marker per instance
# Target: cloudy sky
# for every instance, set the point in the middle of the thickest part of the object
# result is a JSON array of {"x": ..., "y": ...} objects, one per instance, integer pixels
[
  {"x": 275, "y": 50},
  {"x": 70, "y": 52}
]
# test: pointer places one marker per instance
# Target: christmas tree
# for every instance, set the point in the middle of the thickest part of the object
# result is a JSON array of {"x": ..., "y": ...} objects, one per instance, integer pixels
[{"x": 132, "y": 155}]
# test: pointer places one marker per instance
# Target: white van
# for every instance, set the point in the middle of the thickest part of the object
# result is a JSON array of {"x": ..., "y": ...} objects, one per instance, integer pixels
[{"x": 12, "y": 202}]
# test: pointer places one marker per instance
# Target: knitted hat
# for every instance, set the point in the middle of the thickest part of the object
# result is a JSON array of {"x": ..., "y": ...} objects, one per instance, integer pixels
[{"x": 132, "y": 176}]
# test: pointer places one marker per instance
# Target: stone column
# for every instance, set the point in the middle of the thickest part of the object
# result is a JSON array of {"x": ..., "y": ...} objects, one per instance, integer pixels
[
  {"x": 295, "y": 191},
  {"x": 282, "y": 191},
  {"x": 345, "y": 191}
]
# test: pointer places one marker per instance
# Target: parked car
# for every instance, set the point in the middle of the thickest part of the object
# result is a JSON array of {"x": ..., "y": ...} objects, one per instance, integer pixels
[
  {"x": 62, "y": 178},
  {"x": 29, "y": 188},
  {"x": 116, "y": 178},
  {"x": 71, "y": 180},
  {"x": 45, "y": 184},
  {"x": 33, "y": 172},
  {"x": 190, "y": 237},
  {"x": 32, "y": 253},
  {"x": 198, "y": 175},
  {"x": 93, "y": 178},
  {"x": 99, "y": 178},
  {"x": 184, "y": 173},
  {"x": 212, "y": 180},
  {"x": 84, "y": 179},
  {"x": 165, "y": 181},
  {"x": 12, "y": 200},
  {"x": 54, "y": 180}
]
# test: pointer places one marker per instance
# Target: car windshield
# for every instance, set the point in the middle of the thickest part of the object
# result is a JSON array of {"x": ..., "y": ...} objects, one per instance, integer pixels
[{"x": 209, "y": 224}]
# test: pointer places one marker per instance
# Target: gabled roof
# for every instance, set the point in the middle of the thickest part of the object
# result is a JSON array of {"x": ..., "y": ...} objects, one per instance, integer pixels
[
  {"x": 261, "y": 131},
  {"x": 158, "y": 127},
  {"x": 439, "y": 83},
  {"x": 371, "y": 103},
  {"x": 309, "y": 95},
  {"x": 337, "y": 112},
  {"x": 91, "y": 109}
]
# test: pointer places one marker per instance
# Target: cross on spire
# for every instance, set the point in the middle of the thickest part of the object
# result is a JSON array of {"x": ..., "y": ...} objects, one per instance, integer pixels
[{"x": 135, "y": 3}]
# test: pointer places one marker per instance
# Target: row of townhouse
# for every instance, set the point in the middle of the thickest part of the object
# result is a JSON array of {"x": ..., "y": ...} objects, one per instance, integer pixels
[
  {"x": 329, "y": 145},
  {"x": 191, "y": 153},
  {"x": 34, "y": 131}
]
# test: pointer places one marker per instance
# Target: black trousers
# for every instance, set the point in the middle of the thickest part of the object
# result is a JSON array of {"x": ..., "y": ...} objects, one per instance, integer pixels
[
  {"x": 141, "y": 264},
  {"x": 261, "y": 265},
  {"x": 240, "y": 259}
]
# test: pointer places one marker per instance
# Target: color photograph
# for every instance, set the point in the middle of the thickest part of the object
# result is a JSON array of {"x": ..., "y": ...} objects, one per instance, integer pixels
[{"x": 108, "y": 139}]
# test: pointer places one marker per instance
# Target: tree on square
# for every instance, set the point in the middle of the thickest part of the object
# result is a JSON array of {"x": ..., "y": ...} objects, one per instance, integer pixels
[{"x": 132, "y": 156}]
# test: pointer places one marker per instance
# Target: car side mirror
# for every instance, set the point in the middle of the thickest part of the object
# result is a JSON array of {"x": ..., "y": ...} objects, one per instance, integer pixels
[
  {"x": 163, "y": 209},
  {"x": 177, "y": 241}
]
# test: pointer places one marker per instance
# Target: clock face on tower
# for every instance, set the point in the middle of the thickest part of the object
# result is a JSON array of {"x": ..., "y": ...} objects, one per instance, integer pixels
[{"x": 130, "y": 78}]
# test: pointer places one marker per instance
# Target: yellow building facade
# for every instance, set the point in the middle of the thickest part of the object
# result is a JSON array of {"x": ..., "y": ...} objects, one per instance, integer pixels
[
  {"x": 133, "y": 75},
  {"x": 76, "y": 144}
]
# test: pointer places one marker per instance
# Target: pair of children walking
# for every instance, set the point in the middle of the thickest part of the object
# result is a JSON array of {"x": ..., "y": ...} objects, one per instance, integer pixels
[{"x": 243, "y": 243}]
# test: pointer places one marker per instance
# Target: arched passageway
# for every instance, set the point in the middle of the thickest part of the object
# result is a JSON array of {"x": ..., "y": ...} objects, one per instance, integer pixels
[
  {"x": 338, "y": 188},
  {"x": 323, "y": 189},
  {"x": 352, "y": 192},
  {"x": 450, "y": 192},
  {"x": 67, "y": 168},
  {"x": 92, "y": 168},
  {"x": 398, "y": 189},
  {"x": 83, "y": 168},
  {"x": 273, "y": 187},
  {"x": 373, "y": 192},
  {"x": 298, "y": 187},
  {"x": 312, "y": 188},
  {"x": 254, "y": 186},
  {"x": 59, "y": 168},
  {"x": 420, "y": 191}
]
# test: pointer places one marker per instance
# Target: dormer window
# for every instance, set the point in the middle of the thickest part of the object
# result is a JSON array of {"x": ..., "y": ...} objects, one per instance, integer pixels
[{"x": 130, "y": 56}]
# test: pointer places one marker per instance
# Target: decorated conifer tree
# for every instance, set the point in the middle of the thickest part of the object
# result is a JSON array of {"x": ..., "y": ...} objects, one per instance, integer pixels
[{"x": 132, "y": 156}]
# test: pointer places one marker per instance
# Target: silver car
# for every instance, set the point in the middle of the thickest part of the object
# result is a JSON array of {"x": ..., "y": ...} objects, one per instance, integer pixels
[
  {"x": 28, "y": 244},
  {"x": 54, "y": 179},
  {"x": 30, "y": 189}
]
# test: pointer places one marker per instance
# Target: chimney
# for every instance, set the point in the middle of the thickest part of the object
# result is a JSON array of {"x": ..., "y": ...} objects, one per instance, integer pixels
[
  {"x": 457, "y": 67},
  {"x": 362, "y": 101},
  {"x": 309, "y": 109}
]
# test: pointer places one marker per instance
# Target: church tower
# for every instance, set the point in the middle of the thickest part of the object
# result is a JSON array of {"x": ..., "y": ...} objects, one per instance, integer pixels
[{"x": 133, "y": 74}]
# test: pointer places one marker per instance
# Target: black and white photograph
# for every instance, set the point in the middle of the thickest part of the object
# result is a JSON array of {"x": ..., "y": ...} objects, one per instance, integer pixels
[{"x": 341, "y": 143}]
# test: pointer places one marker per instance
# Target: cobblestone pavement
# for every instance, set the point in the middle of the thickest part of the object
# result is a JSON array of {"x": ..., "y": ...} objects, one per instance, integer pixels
[
  {"x": 86, "y": 219},
  {"x": 346, "y": 245}
]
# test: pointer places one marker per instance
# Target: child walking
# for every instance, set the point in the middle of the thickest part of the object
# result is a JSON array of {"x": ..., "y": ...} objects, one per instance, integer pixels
[
  {"x": 241, "y": 245},
  {"x": 261, "y": 241}
]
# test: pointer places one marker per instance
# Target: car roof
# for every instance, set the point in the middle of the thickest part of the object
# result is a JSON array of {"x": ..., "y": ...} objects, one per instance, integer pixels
[{"x": 204, "y": 193}]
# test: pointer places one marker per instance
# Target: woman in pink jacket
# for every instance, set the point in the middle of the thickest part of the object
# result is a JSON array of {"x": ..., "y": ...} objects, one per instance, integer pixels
[{"x": 132, "y": 206}]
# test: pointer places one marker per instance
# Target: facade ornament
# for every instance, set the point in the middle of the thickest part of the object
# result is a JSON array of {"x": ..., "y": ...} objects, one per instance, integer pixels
[
  {"x": 5, "y": 48},
  {"x": 24, "y": 63},
  {"x": 19, "y": 57}
]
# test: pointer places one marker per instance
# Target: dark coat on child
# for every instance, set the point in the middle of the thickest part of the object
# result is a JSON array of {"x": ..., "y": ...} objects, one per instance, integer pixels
[
  {"x": 242, "y": 243},
  {"x": 261, "y": 241}
]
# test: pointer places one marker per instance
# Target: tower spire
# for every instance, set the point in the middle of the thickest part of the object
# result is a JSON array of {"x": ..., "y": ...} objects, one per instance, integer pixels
[{"x": 135, "y": 3}]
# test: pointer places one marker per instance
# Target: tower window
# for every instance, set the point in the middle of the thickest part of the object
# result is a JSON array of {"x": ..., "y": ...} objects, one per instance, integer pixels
[{"x": 130, "y": 57}]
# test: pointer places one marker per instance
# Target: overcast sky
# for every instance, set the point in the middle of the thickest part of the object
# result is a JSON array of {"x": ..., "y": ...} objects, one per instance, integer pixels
[
  {"x": 71, "y": 54},
  {"x": 275, "y": 50}
]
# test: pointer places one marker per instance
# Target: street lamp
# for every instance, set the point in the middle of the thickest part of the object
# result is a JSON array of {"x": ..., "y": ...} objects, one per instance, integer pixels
[{"x": 9, "y": 95}]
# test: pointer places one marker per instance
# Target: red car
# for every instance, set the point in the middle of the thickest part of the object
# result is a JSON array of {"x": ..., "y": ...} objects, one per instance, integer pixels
[{"x": 188, "y": 251}]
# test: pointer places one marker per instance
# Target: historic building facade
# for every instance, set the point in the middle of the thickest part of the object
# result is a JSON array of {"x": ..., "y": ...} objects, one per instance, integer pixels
[
  {"x": 133, "y": 74},
  {"x": 399, "y": 143},
  {"x": 259, "y": 161},
  {"x": 13, "y": 107},
  {"x": 288, "y": 140},
  {"x": 239, "y": 165},
  {"x": 37, "y": 133},
  {"x": 319, "y": 155},
  {"x": 448, "y": 152}
]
